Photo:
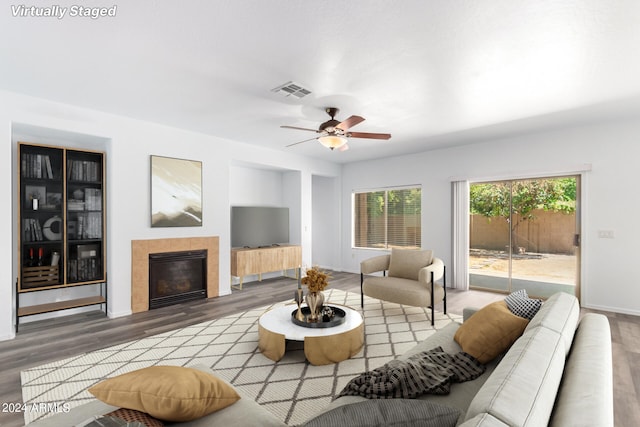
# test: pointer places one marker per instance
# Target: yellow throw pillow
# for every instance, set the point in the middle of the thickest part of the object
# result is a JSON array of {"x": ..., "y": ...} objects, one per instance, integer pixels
[
  {"x": 170, "y": 393},
  {"x": 490, "y": 331}
]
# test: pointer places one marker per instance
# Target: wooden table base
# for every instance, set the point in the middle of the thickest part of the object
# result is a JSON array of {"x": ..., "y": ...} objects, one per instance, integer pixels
[{"x": 322, "y": 350}]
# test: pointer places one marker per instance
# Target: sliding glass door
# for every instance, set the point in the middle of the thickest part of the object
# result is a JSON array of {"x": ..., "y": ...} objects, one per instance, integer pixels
[{"x": 524, "y": 235}]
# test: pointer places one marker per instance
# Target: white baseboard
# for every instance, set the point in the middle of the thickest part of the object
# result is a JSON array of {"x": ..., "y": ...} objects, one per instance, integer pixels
[
  {"x": 113, "y": 315},
  {"x": 612, "y": 309},
  {"x": 7, "y": 337}
]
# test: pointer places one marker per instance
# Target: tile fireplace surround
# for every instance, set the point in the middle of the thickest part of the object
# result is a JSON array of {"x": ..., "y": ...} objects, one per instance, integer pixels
[{"x": 140, "y": 250}]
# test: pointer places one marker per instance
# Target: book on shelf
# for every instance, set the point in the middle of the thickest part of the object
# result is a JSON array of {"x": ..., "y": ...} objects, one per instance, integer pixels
[
  {"x": 36, "y": 166},
  {"x": 75, "y": 205},
  {"x": 48, "y": 166},
  {"x": 84, "y": 269},
  {"x": 83, "y": 170},
  {"x": 89, "y": 225},
  {"x": 32, "y": 230},
  {"x": 93, "y": 199}
]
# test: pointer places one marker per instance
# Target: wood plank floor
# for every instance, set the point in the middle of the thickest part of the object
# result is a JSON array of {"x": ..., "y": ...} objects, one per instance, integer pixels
[{"x": 47, "y": 341}]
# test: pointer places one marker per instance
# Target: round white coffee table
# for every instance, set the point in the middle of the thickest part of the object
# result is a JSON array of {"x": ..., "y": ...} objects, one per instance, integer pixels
[{"x": 322, "y": 346}]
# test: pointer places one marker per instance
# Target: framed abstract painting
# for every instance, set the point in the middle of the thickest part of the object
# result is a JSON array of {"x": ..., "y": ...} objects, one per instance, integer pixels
[{"x": 176, "y": 192}]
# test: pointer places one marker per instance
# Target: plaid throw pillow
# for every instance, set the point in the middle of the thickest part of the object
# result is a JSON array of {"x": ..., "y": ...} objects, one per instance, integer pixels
[
  {"x": 132, "y": 416},
  {"x": 521, "y": 305}
]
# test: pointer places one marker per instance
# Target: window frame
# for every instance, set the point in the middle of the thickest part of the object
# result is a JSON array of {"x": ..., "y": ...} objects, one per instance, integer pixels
[{"x": 387, "y": 245}]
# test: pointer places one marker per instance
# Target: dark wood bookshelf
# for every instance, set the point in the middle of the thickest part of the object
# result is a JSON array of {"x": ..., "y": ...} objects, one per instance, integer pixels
[{"x": 62, "y": 224}]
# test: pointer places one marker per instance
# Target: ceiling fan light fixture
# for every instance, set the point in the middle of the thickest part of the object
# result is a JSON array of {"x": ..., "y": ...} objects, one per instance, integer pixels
[{"x": 332, "y": 141}]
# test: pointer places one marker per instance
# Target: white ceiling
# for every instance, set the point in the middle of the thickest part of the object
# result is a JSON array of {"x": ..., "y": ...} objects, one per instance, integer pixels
[{"x": 431, "y": 73}]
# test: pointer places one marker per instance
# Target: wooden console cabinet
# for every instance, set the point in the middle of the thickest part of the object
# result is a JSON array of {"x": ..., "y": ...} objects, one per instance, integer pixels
[{"x": 246, "y": 261}]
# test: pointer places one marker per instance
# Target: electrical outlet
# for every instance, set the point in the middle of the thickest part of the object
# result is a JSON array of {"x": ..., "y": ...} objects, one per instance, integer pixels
[{"x": 605, "y": 234}]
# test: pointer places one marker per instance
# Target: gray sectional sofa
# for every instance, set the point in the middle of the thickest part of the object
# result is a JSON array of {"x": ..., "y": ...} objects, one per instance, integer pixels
[{"x": 558, "y": 373}]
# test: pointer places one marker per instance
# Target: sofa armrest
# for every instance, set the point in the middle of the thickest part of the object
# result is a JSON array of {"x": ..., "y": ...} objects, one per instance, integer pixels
[
  {"x": 437, "y": 266},
  {"x": 585, "y": 396},
  {"x": 375, "y": 264},
  {"x": 468, "y": 312}
]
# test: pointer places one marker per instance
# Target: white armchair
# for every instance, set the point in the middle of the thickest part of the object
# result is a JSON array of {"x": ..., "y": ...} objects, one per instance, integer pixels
[{"x": 410, "y": 280}]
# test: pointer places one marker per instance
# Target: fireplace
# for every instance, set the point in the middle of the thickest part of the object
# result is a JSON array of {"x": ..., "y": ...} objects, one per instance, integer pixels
[{"x": 175, "y": 277}]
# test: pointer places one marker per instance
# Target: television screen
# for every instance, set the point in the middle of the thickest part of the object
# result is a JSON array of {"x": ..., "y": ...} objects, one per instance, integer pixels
[{"x": 256, "y": 226}]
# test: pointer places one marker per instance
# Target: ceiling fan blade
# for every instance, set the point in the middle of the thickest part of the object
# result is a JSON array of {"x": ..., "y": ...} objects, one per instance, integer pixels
[
  {"x": 300, "y": 142},
  {"x": 299, "y": 128},
  {"x": 350, "y": 122},
  {"x": 369, "y": 135}
]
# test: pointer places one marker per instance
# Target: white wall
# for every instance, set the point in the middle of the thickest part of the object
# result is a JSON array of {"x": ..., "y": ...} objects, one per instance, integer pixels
[
  {"x": 252, "y": 186},
  {"x": 292, "y": 191},
  {"x": 610, "y": 197},
  {"x": 326, "y": 222},
  {"x": 129, "y": 144}
]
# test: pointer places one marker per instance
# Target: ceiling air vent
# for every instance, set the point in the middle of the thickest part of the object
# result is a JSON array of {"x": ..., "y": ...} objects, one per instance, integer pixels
[{"x": 292, "y": 89}]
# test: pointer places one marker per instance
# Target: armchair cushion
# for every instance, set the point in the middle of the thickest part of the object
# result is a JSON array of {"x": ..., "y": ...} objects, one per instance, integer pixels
[
  {"x": 406, "y": 263},
  {"x": 402, "y": 291}
]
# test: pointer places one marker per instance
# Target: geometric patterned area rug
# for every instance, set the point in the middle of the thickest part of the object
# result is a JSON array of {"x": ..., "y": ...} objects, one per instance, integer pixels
[{"x": 292, "y": 389}]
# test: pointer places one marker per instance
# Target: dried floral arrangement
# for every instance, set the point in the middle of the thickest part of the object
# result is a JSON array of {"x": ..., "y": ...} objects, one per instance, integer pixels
[{"x": 316, "y": 279}]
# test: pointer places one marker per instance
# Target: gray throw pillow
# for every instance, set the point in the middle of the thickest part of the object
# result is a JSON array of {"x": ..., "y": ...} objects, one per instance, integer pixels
[
  {"x": 521, "y": 305},
  {"x": 388, "y": 413}
]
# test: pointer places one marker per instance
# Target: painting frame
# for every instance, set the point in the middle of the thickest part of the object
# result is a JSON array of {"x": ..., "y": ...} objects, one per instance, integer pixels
[{"x": 176, "y": 192}]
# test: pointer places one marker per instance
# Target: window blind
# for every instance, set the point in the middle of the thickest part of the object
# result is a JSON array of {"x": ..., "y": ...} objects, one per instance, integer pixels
[{"x": 390, "y": 218}]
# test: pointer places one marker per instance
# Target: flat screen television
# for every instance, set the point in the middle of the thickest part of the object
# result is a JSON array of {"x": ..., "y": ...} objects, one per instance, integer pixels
[{"x": 259, "y": 226}]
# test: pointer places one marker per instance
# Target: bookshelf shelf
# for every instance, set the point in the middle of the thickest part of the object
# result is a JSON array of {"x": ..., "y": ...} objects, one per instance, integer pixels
[
  {"x": 62, "y": 225},
  {"x": 61, "y": 305}
]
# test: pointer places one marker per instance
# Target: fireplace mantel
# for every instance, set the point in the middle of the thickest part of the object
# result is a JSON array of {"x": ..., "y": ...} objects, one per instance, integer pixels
[{"x": 140, "y": 250}]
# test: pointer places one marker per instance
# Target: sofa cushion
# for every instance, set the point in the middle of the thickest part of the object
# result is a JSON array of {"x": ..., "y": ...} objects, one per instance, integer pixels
[
  {"x": 406, "y": 263},
  {"x": 383, "y": 413},
  {"x": 560, "y": 313},
  {"x": 490, "y": 331},
  {"x": 461, "y": 394},
  {"x": 522, "y": 389},
  {"x": 170, "y": 393},
  {"x": 521, "y": 305},
  {"x": 77, "y": 415},
  {"x": 483, "y": 420},
  {"x": 245, "y": 412}
]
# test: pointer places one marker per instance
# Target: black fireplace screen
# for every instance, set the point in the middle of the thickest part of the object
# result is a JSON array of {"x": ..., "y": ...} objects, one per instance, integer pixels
[{"x": 176, "y": 277}]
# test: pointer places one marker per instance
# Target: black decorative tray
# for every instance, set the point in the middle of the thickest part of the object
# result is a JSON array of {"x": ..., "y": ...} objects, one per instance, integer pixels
[{"x": 339, "y": 316}]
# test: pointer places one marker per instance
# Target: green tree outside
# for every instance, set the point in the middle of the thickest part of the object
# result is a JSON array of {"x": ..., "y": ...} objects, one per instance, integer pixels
[{"x": 522, "y": 198}]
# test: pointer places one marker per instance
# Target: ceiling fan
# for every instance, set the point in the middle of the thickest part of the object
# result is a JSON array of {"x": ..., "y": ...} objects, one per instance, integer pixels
[{"x": 334, "y": 133}]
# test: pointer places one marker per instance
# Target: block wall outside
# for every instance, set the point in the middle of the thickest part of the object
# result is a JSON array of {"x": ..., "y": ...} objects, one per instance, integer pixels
[{"x": 548, "y": 232}]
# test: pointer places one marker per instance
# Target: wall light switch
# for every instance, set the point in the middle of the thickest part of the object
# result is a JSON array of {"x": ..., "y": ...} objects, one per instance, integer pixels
[{"x": 605, "y": 234}]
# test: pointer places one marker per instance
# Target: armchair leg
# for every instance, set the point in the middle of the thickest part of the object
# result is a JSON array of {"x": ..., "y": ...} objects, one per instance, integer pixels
[
  {"x": 444, "y": 287},
  {"x": 433, "y": 311},
  {"x": 361, "y": 291}
]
